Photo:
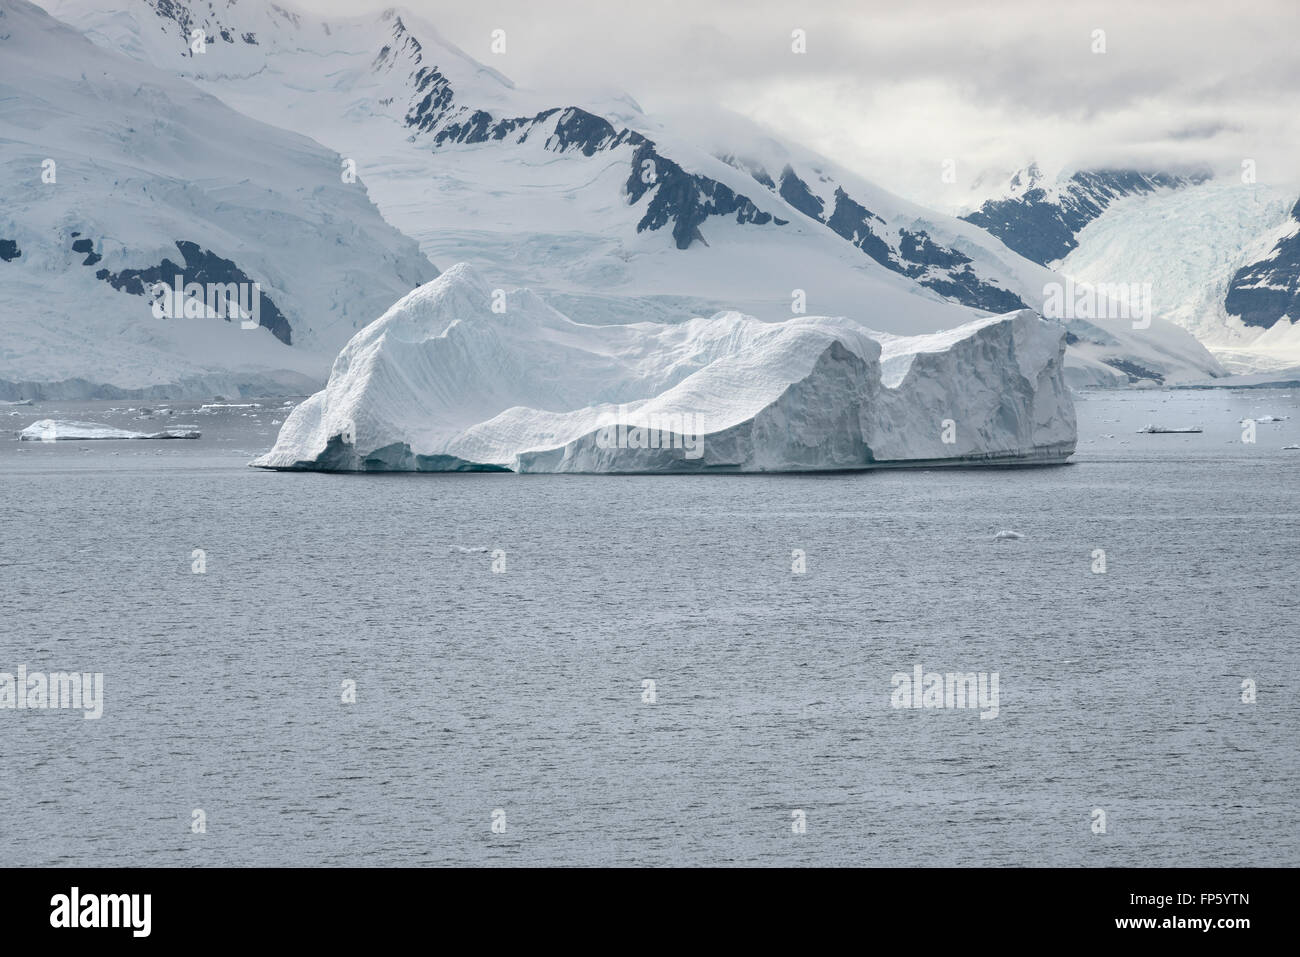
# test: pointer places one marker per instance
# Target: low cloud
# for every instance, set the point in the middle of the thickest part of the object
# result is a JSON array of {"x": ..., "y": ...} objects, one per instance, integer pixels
[{"x": 893, "y": 90}]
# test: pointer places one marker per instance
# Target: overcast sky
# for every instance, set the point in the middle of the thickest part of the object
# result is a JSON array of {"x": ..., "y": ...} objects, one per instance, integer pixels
[{"x": 892, "y": 90}]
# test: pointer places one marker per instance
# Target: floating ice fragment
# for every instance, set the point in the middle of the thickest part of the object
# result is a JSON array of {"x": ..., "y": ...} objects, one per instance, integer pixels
[{"x": 57, "y": 430}]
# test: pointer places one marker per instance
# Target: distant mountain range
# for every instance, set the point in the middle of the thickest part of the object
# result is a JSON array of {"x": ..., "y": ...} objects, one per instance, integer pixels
[{"x": 611, "y": 214}]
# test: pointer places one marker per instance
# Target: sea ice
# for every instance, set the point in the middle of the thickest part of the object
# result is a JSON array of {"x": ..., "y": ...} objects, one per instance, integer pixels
[{"x": 57, "y": 430}]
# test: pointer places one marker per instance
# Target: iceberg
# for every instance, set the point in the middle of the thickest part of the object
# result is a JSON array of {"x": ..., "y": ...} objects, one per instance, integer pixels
[
  {"x": 57, "y": 430},
  {"x": 459, "y": 377},
  {"x": 1166, "y": 430}
]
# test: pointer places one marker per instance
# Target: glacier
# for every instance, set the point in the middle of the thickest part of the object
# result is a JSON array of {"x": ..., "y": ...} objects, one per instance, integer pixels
[
  {"x": 457, "y": 376},
  {"x": 549, "y": 188},
  {"x": 120, "y": 175},
  {"x": 1193, "y": 244}
]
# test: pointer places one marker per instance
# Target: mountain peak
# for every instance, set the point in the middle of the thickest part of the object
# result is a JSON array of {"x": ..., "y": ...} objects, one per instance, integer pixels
[
  {"x": 1039, "y": 216},
  {"x": 1025, "y": 179}
]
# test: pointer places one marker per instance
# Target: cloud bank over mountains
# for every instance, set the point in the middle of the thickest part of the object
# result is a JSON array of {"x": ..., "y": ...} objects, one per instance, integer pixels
[{"x": 990, "y": 88}]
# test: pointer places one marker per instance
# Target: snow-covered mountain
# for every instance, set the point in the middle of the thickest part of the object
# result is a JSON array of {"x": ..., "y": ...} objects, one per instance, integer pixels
[
  {"x": 122, "y": 176},
  {"x": 612, "y": 215},
  {"x": 445, "y": 382},
  {"x": 1267, "y": 289},
  {"x": 592, "y": 201},
  {"x": 1222, "y": 260},
  {"x": 1040, "y": 216}
]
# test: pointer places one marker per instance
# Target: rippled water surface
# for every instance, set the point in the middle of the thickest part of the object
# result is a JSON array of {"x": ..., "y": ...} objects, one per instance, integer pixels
[{"x": 522, "y": 690}]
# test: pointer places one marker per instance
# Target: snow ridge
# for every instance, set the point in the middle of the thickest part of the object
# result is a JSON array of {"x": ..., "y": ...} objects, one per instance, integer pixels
[{"x": 1040, "y": 217}]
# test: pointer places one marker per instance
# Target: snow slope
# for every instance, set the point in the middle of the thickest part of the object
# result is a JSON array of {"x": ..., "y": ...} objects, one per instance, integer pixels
[
  {"x": 551, "y": 195},
  {"x": 442, "y": 382},
  {"x": 1102, "y": 351},
  {"x": 152, "y": 177},
  {"x": 613, "y": 215},
  {"x": 1040, "y": 216},
  {"x": 1265, "y": 292},
  {"x": 1192, "y": 244}
]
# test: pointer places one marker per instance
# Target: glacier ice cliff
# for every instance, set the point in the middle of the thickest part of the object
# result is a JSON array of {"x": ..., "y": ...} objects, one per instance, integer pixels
[{"x": 459, "y": 377}]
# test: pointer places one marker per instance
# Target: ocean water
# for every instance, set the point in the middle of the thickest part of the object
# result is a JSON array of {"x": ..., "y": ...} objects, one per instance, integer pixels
[{"x": 517, "y": 695}]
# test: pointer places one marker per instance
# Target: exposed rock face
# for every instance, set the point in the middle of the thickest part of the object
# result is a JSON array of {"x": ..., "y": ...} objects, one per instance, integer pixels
[
  {"x": 1040, "y": 220},
  {"x": 1264, "y": 291}
]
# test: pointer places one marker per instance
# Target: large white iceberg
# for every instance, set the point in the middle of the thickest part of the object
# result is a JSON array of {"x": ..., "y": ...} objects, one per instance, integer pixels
[{"x": 457, "y": 376}]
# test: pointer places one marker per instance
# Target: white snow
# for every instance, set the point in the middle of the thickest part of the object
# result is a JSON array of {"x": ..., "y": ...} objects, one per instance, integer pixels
[
  {"x": 1279, "y": 379},
  {"x": 561, "y": 223},
  {"x": 59, "y": 430},
  {"x": 1189, "y": 243},
  {"x": 144, "y": 159},
  {"x": 442, "y": 382}
]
